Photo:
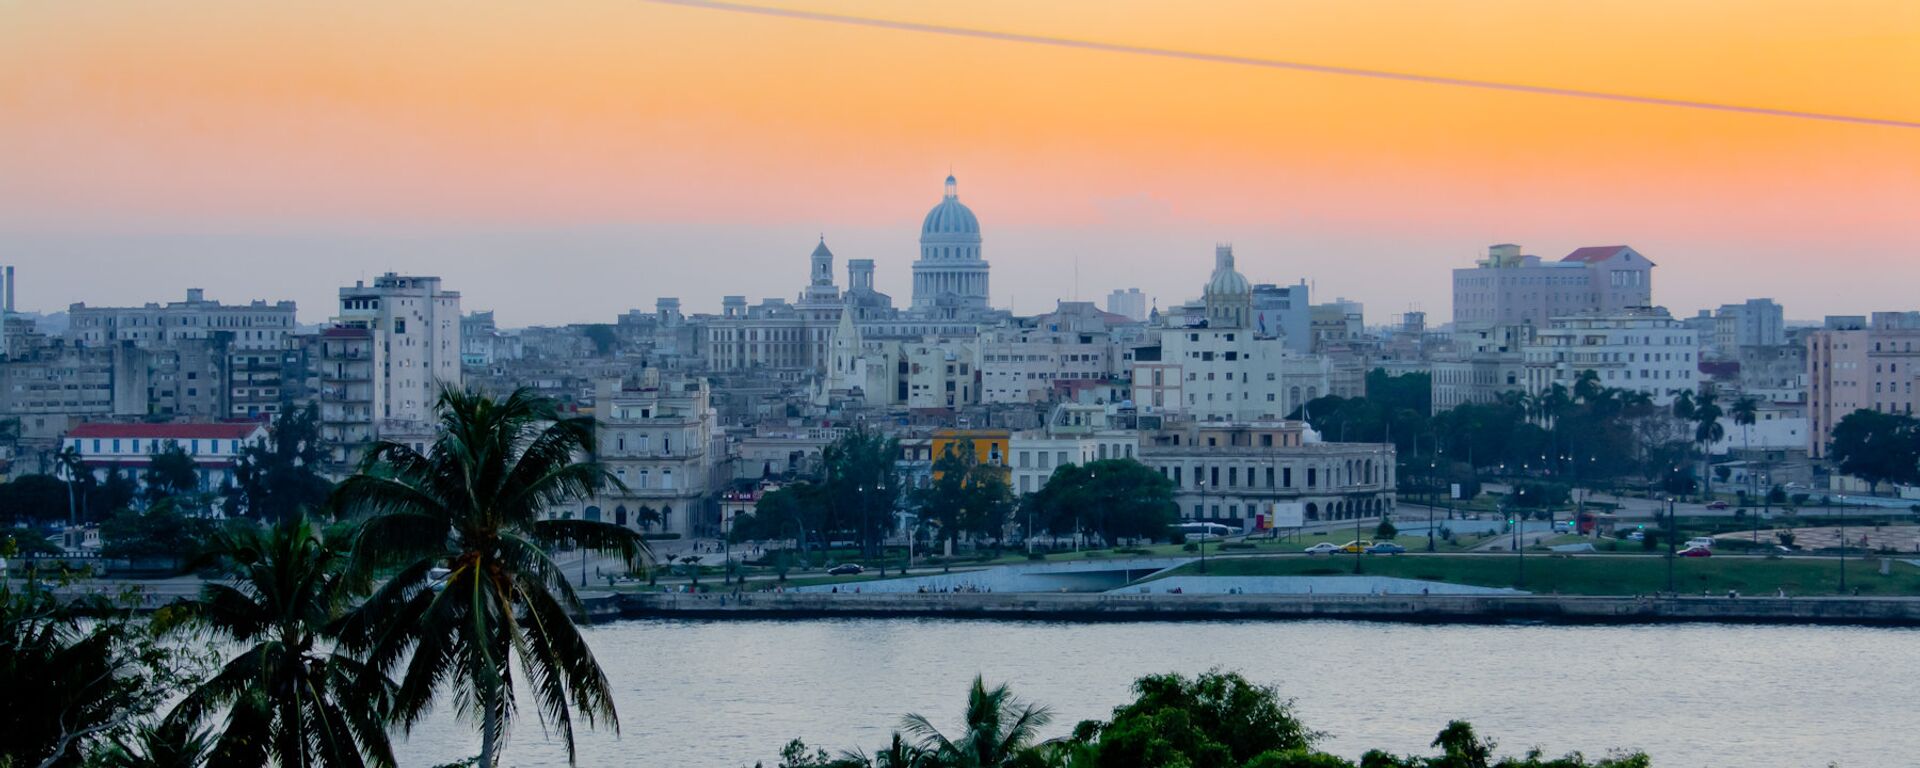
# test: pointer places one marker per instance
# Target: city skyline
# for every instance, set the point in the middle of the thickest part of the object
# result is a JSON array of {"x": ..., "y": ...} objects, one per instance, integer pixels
[{"x": 662, "y": 140}]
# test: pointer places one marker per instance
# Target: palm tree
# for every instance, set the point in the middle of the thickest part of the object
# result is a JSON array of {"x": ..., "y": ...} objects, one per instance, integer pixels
[
  {"x": 899, "y": 753},
  {"x": 478, "y": 504},
  {"x": 162, "y": 745},
  {"x": 1746, "y": 412},
  {"x": 71, "y": 468},
  {"x": 1707, "y": 431},
  {"x": 292, "y": 697},
  {"x": 999, "y": 731}
]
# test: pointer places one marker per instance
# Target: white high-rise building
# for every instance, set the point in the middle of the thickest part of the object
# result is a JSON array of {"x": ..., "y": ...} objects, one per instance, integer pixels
[
  {"x": 1645, "y": 351},
  {"x": 1130, "y": 303},
  {"x": 417, "y": 326},
  {"x": 1752, "y": 323}
]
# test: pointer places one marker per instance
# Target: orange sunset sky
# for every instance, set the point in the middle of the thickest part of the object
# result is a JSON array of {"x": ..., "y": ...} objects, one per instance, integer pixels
[{"x": 565, "y": 160}]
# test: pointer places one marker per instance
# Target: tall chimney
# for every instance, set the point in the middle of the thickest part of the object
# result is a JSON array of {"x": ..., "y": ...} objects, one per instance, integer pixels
[{"x": 9, "y": 303}]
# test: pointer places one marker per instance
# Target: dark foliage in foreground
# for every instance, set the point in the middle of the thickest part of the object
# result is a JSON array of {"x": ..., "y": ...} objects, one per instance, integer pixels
[{"x": 1212, "y": 720}]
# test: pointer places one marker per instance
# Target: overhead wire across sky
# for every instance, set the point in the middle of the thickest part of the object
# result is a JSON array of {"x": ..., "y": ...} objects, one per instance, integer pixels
[{"x": 1250, "y": 61}]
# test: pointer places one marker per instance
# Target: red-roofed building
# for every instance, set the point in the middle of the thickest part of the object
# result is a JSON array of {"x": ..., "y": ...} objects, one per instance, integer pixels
[
  {"x": 214, "y": 446},
  {"x": 1512, "y": 288}
]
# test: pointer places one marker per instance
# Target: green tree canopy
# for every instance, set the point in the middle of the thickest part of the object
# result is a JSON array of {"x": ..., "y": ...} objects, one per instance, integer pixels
[
  {"x": 159, "y": 531},
  {"x": 1878, "y": 447},
  {"x": 861, "y": 485},
  {"x": 1110, "y": 498},
  {"x": 171, "y": 471},
  {"x": 279, "y": 479},
  {"x": 33, "y": 500},
  {"x": 966, "y": 497}
]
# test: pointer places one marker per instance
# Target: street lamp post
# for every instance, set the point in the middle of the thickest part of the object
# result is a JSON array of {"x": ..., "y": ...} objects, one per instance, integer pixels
[
  {"x": 1843, "y": 543},
  {"x": 866, "y": 522},
  {"x": 1433, "y": 478},
  {"x": 1519, "y": 521},
  {"x": 1672, "y": 532},
  {"x": 1029, "y": 536},
  {"x": 1202, "y": 486}
]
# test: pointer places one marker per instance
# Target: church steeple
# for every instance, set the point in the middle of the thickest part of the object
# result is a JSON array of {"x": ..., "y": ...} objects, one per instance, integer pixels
[{"x": 822, "y": 264}]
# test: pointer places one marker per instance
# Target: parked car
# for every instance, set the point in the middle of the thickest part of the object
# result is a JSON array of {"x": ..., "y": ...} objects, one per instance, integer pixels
[
  {"x": 1696, "y": 552},
  {"x": 1356, "y": 547},
  {"x": 1323, "y": 548},
  {"x": 1717, "y": 505},
  {"x": 1637, "y": 536},
  {"x": 1386, "y": 548},
  {"x": 1701, "y": 541},
  {"x": 847, "y": 569}
]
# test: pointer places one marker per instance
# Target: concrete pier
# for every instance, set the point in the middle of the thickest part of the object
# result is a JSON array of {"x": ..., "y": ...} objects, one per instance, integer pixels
[{"x": 1403, "y": 608}]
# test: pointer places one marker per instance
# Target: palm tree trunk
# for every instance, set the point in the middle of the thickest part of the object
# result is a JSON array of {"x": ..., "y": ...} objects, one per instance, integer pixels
[
  {"x": 490, "y": 724},
  {"x": 489, "y": 735}
]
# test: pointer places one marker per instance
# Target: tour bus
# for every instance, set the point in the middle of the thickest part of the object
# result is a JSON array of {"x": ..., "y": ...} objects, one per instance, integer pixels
[{"x": 1203, "y": 530}]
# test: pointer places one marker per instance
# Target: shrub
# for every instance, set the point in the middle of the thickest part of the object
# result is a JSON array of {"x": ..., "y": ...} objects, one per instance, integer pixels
[
  {"x": 1036, "y": 555},
  {"x": 1190, "y": 547}
]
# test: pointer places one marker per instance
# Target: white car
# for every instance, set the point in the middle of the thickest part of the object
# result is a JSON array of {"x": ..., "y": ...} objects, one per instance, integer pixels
[{"x": 1323, "y": 548}]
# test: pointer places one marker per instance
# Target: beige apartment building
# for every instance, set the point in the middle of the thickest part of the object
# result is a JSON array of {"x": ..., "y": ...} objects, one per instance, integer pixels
[{"x": 1854, "y": 363}]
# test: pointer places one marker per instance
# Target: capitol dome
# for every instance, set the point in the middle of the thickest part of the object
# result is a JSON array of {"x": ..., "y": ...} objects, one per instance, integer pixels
[
  {"x": 950, "y": 217},
  {"x": 950, "y": 272}
]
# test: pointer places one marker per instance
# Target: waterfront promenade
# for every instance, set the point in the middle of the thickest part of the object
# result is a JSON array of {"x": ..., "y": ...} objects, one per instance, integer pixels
[{"x": 1885, "y": 611}]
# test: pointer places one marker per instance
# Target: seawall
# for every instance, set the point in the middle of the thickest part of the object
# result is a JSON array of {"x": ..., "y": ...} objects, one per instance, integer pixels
[{"x": 1880, "y": 611}]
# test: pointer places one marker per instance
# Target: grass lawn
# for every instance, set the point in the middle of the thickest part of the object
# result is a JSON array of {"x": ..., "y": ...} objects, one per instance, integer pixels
[{"x": 1596, "y": 574}]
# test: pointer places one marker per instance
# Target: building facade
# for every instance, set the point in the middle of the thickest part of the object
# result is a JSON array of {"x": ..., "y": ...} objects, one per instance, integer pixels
[
  {"x": 1645, "y": 351},
  {"x": 417, "y": 323},
  {"x": 1509, "y": 287},
  {"x": 1854, "y": 363},
  {"x": 657, "y": 436},
  {"x": 1074, "y": 350},
  {"x": 1215, "y": 367},
  {"x": 129, "y": 448},
  {"x": 1231, "y": 473},
  {"x": 254, "y": 326},
  {"x": 1752, "y": 323},
  {"x": 1484, "y": 363},
  {"x": 1129, "y": 303}
]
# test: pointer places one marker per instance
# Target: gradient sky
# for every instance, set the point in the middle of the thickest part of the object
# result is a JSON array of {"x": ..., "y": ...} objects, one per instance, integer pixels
[{"x": 563, "y": 161}]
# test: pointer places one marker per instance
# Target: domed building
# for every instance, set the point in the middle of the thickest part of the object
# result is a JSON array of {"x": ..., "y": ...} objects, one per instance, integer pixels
[
  {"x": 949, "y": 276},
  {"x": 1229, "y": 297}
]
